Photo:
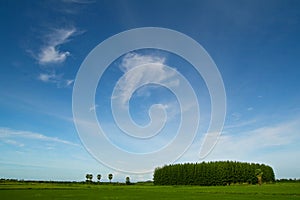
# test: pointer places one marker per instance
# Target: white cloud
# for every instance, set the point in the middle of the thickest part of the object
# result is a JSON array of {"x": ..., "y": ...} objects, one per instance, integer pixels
[
  {"x": 139, "y": 71},
  {"x": 131, "y": 81},
  {"x": 48, "y": 77},
  {"x": 132, "y": 60},
  {"x": 11, "y": 136},
  {"x": 250, "y": 143},
  {"x": 69, "y": 82},
  {"x": 55, "y": 78},
  {"x": 50, "y": 53}
]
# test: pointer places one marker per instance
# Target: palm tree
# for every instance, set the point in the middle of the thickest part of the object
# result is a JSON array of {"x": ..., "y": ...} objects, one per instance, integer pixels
[
  {"x": 127, "y": 180},
  {"x": 89, "y": 177},
  {"x": 110, "y": 176},
  {"x": 99, "y": 177}
]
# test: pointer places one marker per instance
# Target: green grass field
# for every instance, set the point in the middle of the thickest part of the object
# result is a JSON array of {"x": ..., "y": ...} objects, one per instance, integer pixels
[{"x": 85, "y": 191}]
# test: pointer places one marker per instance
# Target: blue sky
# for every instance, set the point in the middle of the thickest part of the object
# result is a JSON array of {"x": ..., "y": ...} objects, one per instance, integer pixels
[{"x": 255, "y": 45}]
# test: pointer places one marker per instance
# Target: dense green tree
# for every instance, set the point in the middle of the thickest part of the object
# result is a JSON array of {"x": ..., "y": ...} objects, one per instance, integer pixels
[{"x": 212, "y": 173}]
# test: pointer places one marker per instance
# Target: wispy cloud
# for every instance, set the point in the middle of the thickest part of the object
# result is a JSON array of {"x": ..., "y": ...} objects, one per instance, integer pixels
[
  {"x": 10, "y": 136},
  {"x": 240, "y": 124},
  {"x": 132, "y": 60},
  {"x": 13, "y": 142},
  {"x": 132, "y": 81},
  {"x": 140, "y": 73},
  {"x": 50, "y": 53},
  {"x": 48, "y": 77},
  {"x": 55, "y": 78},
  {"x": 69, "y": 82},
  {"x": 256, "y": 140},
  {"x": 72, "y": 7}
]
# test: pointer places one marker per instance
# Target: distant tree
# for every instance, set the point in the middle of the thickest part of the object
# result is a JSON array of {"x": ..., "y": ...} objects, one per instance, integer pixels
[
  {"x": 89, "y": 177},
  {"x": 127, "y": 180},
  {"x": 259, "y": 174},
  {"x": 99, "y": 177},
  {"x": 110, "y": 176}
]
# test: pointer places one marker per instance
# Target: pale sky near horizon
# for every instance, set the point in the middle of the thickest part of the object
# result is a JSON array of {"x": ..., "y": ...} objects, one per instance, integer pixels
[{"x": 255, "y": 45}]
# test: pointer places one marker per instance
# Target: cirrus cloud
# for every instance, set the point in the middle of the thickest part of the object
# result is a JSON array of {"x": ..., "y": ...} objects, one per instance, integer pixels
[{"x": 51, "y": 53}]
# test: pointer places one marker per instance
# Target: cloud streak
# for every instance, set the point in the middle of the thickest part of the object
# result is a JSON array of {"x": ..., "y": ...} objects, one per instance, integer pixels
[{"x": 10, "y": 136}]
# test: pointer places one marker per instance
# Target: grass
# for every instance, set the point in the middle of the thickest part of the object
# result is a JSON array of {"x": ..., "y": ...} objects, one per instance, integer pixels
[{"x": 85, "y": 191}]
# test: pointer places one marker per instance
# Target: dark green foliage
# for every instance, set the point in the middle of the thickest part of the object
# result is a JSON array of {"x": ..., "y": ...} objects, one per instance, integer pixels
[
  {"x": 99, "y": 177},
  {"x": 89, "y": 177},
  {"x": 110, "y": 176},
  {"x": 127, "y": 180},
  {"x": 212, "y": 173}
]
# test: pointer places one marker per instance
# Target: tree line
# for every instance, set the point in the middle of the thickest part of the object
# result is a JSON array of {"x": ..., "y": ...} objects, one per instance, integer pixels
[{"x": 213, "y": 173}]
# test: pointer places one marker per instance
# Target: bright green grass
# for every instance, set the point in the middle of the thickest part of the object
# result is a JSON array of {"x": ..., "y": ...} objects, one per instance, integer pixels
[{"x": 83, "y": 191}]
